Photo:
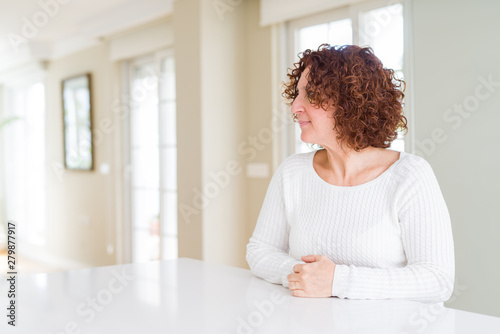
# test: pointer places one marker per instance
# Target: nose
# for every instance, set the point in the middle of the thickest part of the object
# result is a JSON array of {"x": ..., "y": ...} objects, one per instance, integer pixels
[{"x": 298, "y": 105}]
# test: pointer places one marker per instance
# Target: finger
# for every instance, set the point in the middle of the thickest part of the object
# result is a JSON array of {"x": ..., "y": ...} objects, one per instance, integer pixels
[
  {"x": 297, "y": 268},
  {"x": 294, "y": 285},
  {"x": 311, "y": 258},
  {"x": 298, "y": 293},
  {"x": 293, "y": 278}
]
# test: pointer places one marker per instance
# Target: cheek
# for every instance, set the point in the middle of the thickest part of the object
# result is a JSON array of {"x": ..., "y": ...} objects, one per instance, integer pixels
[{"x": 326, "y": 125}]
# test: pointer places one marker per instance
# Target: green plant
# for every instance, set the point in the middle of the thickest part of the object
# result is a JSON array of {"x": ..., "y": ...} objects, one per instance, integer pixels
[{"x": 8, "y": 120}]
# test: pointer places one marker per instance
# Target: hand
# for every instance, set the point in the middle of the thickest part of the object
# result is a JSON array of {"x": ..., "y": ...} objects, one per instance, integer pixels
[{"x": 313, "y": 278}]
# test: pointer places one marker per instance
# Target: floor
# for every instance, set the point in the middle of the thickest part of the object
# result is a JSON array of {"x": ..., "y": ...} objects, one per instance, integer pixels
[{"x": 24, "y": 266}]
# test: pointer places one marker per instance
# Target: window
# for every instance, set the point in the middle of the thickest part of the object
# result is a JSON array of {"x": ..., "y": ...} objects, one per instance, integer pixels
[
  {"x": 377, "y": 25},
  {"x": 153, "y": 158},
  {"x": 24, "y": 157}
]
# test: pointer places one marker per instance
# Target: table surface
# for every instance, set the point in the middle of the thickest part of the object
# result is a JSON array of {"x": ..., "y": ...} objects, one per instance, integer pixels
[{"x": 192, "y": 296}]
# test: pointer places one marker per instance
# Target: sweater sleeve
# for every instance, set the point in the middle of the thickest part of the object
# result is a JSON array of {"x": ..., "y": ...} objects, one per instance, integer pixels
[
  {"x": 268, "y": 248},
  {"x": 428, "y": 244}
]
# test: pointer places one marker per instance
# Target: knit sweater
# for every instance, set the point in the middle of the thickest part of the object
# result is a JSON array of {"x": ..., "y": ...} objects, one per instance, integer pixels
[{"x": 390, "y": 238}]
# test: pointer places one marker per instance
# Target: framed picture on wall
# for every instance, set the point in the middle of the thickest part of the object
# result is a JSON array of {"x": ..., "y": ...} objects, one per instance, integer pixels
[{"x": 77, "y": 120}]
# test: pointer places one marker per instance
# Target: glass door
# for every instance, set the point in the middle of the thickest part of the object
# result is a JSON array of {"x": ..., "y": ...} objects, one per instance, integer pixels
[{"x": 153, "y": 159}]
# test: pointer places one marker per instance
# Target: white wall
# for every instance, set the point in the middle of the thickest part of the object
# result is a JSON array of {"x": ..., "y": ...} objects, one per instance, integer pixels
[
  {"x": 456, "y": 44},
  {"x": 187, "y": 55},
  {"x": 210, "y": 52},
  {"x": 80, "y": 205},
  {"x": 223, "y": 83},
  {"x": 258, "y": 111}
]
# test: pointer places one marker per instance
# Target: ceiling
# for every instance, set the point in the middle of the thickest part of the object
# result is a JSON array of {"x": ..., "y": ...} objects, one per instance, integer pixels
[{"x": 48, "y": 29}]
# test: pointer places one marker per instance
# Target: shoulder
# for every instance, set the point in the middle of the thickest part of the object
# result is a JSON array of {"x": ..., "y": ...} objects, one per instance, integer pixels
[
  {"x": 415, "y": 163},
  {"x": 413, "y": 169},
  {"x": 292, "y": 169},
  {"x": 417, "y": 184},
  {"x": 294, "y": 166},
  {"x": 297, "y": 162}
]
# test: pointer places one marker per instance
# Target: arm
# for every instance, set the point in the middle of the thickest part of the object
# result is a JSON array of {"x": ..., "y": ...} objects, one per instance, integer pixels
[
  {"x": 267, "y": 251},
  {"x": 428, "y": 243}
]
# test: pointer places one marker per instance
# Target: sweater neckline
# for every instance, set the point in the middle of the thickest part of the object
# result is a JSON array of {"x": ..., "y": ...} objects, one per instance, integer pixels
[{"x": 359, "y": 186}]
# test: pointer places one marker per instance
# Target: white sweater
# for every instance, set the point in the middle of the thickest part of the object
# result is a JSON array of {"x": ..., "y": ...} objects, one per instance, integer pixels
[{"x": 390, "y": 238}]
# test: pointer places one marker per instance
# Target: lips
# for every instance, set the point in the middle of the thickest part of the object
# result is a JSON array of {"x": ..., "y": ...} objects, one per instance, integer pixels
[{"x": 302, "y": 123}]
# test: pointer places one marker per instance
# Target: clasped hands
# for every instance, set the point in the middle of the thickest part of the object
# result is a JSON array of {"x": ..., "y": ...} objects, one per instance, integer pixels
[{"x": 313, "y": 278}]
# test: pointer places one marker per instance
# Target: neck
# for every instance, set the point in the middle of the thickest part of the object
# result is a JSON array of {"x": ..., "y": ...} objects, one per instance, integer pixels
[{"x": 345, "y": 163}]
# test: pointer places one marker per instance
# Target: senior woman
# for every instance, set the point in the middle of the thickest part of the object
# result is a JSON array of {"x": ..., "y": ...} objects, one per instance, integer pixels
[{"x": 353, "y": 219}]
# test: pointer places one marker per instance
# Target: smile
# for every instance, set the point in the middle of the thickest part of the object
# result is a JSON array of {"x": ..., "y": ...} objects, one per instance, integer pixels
[{"x": 302, "y": 123}]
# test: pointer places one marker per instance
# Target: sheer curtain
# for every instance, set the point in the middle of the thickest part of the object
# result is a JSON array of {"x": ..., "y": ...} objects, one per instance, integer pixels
[{"x": 23, "y": 143}]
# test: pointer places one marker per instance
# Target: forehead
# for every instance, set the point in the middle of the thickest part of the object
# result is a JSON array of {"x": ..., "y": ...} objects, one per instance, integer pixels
[{"x": 303, "y": 78}]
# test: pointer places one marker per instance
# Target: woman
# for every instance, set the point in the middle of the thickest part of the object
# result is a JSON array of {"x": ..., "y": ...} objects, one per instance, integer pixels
[{"x": 353, "y": 219}]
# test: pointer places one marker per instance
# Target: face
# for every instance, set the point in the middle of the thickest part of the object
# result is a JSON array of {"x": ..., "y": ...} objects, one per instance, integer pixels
[{"x": 315, "y": 123}]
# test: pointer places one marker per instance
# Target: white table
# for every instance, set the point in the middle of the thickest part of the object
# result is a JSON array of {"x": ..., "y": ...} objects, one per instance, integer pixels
[{"x": 191, "y": 296}]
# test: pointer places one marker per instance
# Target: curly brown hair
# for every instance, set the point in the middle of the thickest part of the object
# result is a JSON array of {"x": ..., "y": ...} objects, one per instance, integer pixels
[{"x": 366, "y": 98}]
